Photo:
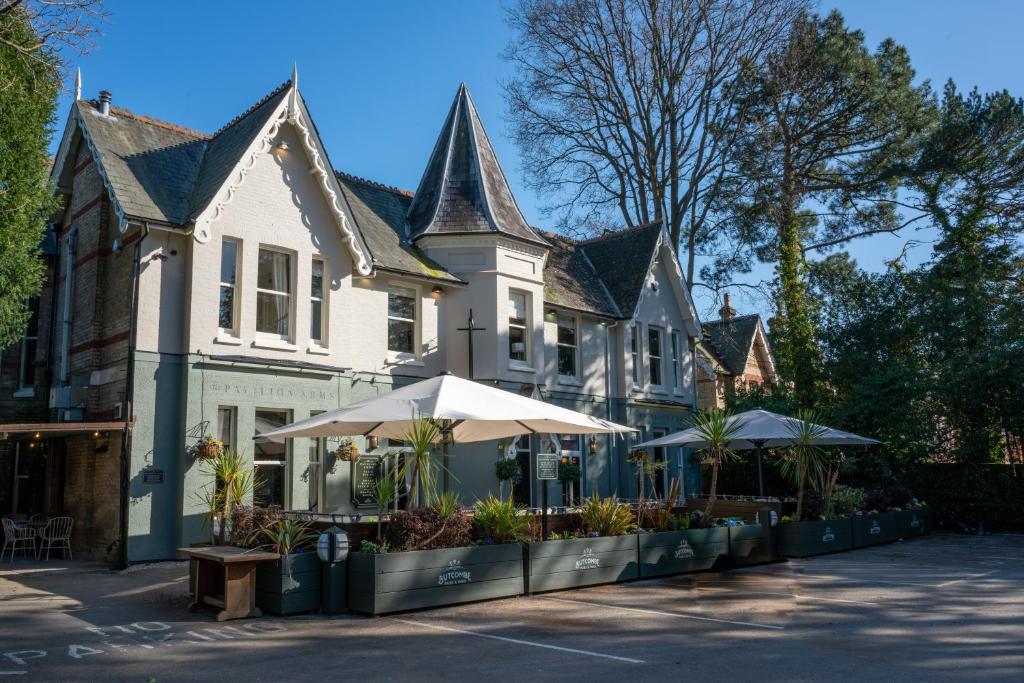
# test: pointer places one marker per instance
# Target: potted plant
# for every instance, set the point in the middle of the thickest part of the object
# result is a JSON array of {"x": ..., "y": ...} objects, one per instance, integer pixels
[
  {"x": 913, "y": 519},
  {"x": 804, "y": 460},
  {"x": 292, "y": 583},
  {"x": 829, "y": 532},
  {"x": 568, "y": 476},
  {"x": 506, "y": 470},
  {"x": 672, "y": 543},
  {"x": 605, "y": 554},
  {"x": 347, "y": 451},
  {"x": 716, "y": 428},
  {"x": 428, "y": 559},
  {"x": 206, "y": 448}
]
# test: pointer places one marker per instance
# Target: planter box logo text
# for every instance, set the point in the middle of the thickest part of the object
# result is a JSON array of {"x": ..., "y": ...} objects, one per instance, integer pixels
[
  {"x": 828, "y": 536},
  {"x": 915, "y": 522},
  {"x": 875, "y": 529},
  {"x": 454, "y": 574},
  {"x": 684, "y": 551},
  {"x": 588, "y": 560}
]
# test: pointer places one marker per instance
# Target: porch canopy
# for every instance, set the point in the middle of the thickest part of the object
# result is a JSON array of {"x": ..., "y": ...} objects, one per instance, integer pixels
[
  {"x": 469, "y": 411},
  {"x": 762, "y": 429}
]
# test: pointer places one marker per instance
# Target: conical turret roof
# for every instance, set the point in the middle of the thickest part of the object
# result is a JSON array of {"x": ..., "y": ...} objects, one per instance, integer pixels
[{"x": 463, "y": 189}]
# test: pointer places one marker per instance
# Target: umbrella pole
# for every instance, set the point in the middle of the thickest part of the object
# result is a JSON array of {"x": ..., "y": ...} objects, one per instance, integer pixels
[{"x": 760, "y": 469}]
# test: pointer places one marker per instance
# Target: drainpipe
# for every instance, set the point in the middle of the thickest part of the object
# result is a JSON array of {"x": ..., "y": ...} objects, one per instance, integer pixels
[{"x": 129, "y": 396}]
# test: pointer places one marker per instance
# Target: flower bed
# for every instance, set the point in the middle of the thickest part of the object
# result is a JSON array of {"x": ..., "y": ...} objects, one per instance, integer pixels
[
  {"x": 289, "y": 585},
  {"x": 395, "y": 582},
  {"x": 675, "y": 552},
  {"x": 804, "y": 539},
  {"x": 873, "y": 528},
  {"x": 577, "y": 562}
]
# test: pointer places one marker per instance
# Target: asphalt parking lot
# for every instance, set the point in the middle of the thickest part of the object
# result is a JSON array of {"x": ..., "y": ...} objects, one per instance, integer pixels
[{"x": 939, "y": 608}]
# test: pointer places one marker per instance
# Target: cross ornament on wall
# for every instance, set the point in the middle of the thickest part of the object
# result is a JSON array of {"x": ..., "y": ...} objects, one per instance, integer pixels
[{"x": 469, "y": 330}]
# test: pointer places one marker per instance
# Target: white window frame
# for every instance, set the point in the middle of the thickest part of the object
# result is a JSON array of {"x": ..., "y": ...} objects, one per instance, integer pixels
[
  {"x": 231, "y": 442},
  {"x": 233, "y": 331},
  {"x": 575, "y": 376},
  {"x": 676, "y": 356},
  {"x": 286, "y": 464},
  {"x": 416, "y": 324},
  {"x": 323, "y": 341},
  {"x": 28, "y": 390},
  {"x": 656, "y": 361},
  {"x": 634, "y": 352},
  {"x": 290, "y": 294},
  {"x": 527, "y": 329}
]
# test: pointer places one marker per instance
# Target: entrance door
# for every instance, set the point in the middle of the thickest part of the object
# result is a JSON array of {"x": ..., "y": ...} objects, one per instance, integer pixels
[
  {"x": 522, "y": 489},
  {"x": 660, "y": 466}
]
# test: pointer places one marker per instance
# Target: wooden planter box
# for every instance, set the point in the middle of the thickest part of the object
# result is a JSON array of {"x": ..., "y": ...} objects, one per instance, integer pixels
[
  {"x": 676, "y": 552},
  {"x": 572, "y": 563},
  {"x": 395, "y": 582},
  {"x": 749, "y": 545},
  {"x": 910, "y": 523},
  {"x": 873, "y": 529},
  {"x": 804, "y": 539},
  {"x": 290, "y": 585}
]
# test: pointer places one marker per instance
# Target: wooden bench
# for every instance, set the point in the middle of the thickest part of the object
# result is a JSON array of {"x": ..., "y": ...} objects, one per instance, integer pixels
[{"x": 226, "y": 579}]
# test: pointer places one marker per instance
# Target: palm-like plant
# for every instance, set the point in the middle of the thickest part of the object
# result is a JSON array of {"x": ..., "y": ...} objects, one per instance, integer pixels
[
  {"x": 716, "y": 428},
  {"x": 423, "y": 433},
  {"x": 286, "y": 535},
  {"x": 805, "y": 458},
  {"x": 233, "y": 481},
  {"x": 383, "y": 494}
]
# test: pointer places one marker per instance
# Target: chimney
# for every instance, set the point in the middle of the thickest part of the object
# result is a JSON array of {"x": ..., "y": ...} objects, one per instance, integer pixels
[
  {"x": 727, "y": 312},
  {"x": 105, "y": 102}
]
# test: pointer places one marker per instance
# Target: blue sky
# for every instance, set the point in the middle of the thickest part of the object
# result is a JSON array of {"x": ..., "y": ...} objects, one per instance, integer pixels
[{"x": 379, "y": 77}]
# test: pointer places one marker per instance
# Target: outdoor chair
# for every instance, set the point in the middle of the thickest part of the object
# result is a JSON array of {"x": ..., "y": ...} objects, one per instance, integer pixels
[
  {"x": 57, "y": 533},
  {"x": 17, "y": 537}
]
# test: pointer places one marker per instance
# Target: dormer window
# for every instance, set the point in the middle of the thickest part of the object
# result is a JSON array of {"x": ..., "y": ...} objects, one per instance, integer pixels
[{"x": 274, "y": 293}]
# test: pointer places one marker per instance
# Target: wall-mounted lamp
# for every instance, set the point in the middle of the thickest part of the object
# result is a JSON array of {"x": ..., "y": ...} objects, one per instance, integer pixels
[
  {"x": 282, "y": 146},
  {"x": 374, "y": 441},
  {"x": 593, "y": 445},
  {"x": 38, "y": 435},
  {"x": 436, "y": 292}
]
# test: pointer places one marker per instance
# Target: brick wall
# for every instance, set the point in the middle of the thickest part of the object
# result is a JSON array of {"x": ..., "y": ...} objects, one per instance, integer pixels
[{"x": 91, "y": 485}]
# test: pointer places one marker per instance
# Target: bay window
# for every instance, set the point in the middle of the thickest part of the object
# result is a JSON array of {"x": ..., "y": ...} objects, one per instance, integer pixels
[
  {"x": 274, "y": 293},
  {"x": 654, "y": 356}
]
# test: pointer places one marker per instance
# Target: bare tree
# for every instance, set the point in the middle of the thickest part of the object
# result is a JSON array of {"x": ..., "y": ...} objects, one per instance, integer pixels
[
  {"x": 622, "y": 108},
  {"x": 57, "y": 25}
]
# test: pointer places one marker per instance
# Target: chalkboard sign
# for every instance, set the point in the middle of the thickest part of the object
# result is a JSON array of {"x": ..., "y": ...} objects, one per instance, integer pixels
[
  {"x": 365, "y": 472},
  {"x": 547, "y": 466}
]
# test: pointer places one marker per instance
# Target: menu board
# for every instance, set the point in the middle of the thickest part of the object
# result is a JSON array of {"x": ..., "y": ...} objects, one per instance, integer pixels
[
  {"x": 365, "y": 472},
  {"x": 547, "y": 466}
]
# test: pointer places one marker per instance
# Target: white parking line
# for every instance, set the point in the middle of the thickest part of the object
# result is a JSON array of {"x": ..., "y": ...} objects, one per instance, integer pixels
[
  {"x": 794, "y": 595},
  {"x": 663, "y": 614},
  {"x": 966, "y": 578},
  {"x": 517, "y": 641}
]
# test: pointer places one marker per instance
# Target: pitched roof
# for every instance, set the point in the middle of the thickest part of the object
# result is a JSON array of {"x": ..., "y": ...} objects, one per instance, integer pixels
[
  {"x": 228, "y": 145},
  {"x": 150, "y": 165},
  {"x": 623, "y": 260},
  {"x": 463, "y": 189},
  {"x": 730, "y": 341},
  {"x": 571, "y": 281},
  {"x": 379, "y": 211}
]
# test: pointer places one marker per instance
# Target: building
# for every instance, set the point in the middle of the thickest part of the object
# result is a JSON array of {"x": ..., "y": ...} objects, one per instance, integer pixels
[
  {"x": 233, "y": 282},
  {"x": 734, "y": 352}
]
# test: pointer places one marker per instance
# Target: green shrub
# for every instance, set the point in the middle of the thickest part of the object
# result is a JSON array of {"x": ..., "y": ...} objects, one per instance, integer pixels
[
  {"x": 605, "y": 516},
  {"x": 501, "y": 520},
  {"x": 846, "y": 500}
]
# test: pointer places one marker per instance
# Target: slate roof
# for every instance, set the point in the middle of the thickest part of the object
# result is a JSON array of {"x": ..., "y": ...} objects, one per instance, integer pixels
[
  {"x": 379, "y": 211},
  {"x": 730, "y": 341},
  {"x": 151, "y": 165},
  {"x": 571, "y": 281},
  {"x": 623, "y": 259},
  {"x": 463, "y": 189}
]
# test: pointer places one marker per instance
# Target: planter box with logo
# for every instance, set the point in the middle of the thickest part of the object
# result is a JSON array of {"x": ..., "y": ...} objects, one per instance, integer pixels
[
  {"x": 290, "y": 585},
  {"x": 910, "y": 523},
  {"x": 748, "y": 544},
  {"x": 874, "y": 529},
  {"x": 676, "y": 552},
  {"x": 395, "y": 582},
  {"x": 572, "y": 563},
  {"x": 804, "y": 539}
]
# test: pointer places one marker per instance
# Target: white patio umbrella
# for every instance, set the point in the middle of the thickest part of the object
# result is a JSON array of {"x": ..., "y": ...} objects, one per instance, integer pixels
[
  {"x": 762, "y": 429},
  {"x": 467, "y": 410}
]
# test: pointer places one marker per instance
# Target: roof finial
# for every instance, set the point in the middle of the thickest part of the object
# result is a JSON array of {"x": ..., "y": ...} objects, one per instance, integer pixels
[
  {"x": 78, "y": 84},
  {"x": 293, "y": 96}
]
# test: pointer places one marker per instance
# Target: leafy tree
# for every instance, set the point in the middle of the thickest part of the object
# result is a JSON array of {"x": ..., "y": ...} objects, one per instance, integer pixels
[
  {"x": 828, "y": 130},
  {"x": 28, "y": 95}
]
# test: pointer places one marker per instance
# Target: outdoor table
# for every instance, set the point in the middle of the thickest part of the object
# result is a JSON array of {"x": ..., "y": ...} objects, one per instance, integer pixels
[{"x": 226, "y": 578}]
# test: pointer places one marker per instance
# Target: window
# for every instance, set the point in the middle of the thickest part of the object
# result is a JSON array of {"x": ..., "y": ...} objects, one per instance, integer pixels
[
  {"x": 270, "y": 458},
  {"x": 634, "y": 350},
  {"x": 315, "y": 475},
  {"x": 519, "y": 326},
  {"x": 274, "y": 293},
  {"x": 29, "y": 344},
  {"x": 226, "y": 318},
  {"x": 226, "y": 426},
  {"x": 654, "y": 354},
  {"x": 675, "y": 360},
  {"x": 316, "y": 302},
  {"x": 567, "y": 347},
  {"x": 401, "y": 319}
]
